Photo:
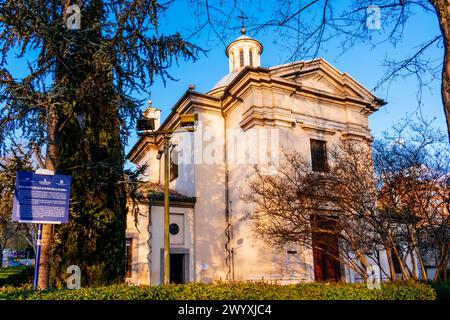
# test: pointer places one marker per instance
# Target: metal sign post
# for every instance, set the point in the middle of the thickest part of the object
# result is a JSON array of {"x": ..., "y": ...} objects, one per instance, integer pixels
[
  {"x": 38, "y": 256},
  {"x": 41, "y": 197}
]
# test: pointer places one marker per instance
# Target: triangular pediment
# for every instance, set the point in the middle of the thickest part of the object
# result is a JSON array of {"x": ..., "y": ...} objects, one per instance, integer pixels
[
  {"x": 320, "y": 75},
  {"x": 320, "y": 81}
]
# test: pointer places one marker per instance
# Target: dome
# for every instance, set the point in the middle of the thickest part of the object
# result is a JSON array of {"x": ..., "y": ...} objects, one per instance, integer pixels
[{"x": 226, "y": 80}]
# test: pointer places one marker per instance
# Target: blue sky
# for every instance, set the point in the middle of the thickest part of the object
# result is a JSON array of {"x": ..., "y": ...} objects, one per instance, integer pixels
[{"x": 362, "y": 62}]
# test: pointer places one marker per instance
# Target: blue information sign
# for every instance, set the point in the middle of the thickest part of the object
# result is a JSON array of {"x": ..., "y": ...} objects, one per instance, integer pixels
[{"x": 41, "y": 198}]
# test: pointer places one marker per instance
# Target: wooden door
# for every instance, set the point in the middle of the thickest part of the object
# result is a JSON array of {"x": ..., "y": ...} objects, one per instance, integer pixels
[{"x": 325, "y": 251}]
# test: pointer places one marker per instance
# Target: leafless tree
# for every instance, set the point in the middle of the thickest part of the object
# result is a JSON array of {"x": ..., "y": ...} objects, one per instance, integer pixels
[
  {"x": 306, "y": 28},
  {"x": 298, "y": 203},
  {"x": 400, "y": 208},
  {"x": 413, "y": 171}
]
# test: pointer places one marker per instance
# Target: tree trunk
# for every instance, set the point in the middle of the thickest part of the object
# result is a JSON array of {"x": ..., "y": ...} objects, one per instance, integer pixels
[
  {"x": 415, "y": 276},
  {"x": 3, "y": 245},
  {"x": 441, "y": 265},
  {"x": 438, "y": 265},
  {"x": 444, "y": 271},
  {"x": 443, "y": 12},
  {"x": 419, "y": 256},
  {"x": 51, "y": 163},
  {"x": 362, "y": 259},
  {"x": 403, "y": 266},
  {"x": 391, "y": 264}
]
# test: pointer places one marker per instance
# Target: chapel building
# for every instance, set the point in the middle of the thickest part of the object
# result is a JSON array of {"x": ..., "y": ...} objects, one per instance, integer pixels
[{"x": 248, "y": 117}]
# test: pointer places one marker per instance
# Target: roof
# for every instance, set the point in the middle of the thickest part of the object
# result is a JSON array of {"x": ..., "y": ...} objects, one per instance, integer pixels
[
  {"x": 144, "y": 140},
  {"x": 301, "y": 68},
  {"x": 280, "y": 74},
  {"x": 156, "y": 192},
  {"x": 226, "y": 80}
]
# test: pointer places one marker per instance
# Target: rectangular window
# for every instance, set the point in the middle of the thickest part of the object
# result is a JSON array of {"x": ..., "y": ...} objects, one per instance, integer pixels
[
  {"x": 250, "y": 55},
  {"x": 319, "y": 155},
  {"x": 173, "y": 164},
  {"x": 127, "y": 259}
]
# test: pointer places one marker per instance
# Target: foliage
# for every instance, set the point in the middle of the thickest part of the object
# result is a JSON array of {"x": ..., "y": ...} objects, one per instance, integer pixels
[
  {"x": 16, "y": 160},
  {"x": 118, "y": 41},
  {"x": 232, "y": 291},
  {"x": 16, "y": 276},
  {"x": 77, "y": 101},
  {"x": 442, "y": 289}
]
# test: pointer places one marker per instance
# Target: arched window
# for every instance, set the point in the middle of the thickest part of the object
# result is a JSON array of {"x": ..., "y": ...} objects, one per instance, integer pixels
[
  {"x": 250, "y": 55},
  {"x": 241, "y": 57}
]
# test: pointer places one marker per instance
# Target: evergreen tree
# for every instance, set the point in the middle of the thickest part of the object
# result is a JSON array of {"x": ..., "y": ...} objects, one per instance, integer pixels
[
  {"x": 77, "y": 101},
  {"x": 15, "y": 160}
]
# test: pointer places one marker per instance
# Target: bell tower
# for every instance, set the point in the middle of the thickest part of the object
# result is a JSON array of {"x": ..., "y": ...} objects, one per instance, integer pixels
[{"x": 244, "y": 51}]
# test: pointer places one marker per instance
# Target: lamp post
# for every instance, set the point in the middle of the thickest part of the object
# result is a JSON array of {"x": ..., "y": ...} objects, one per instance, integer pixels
[
  {"x": 146, "y": 127},
  {"x": 166, "y": 279}
]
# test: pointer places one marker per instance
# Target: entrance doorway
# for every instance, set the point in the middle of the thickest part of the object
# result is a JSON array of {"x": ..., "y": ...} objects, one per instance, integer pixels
[
  {"x": 179, "y": 265},
  {"x": 325, "y": 251},
  {"x": 177, "y": 268}
]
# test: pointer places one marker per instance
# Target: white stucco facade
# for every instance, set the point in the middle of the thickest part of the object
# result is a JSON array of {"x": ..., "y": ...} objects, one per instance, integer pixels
[{"x": 248, "y": 118}]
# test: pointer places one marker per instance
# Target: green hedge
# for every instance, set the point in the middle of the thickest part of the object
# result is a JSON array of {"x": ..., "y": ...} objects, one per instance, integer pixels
[
  {"x": 231, "y": 291},
  {"x": 442, "y": 289},
  {"x": 16, "y": 276}
]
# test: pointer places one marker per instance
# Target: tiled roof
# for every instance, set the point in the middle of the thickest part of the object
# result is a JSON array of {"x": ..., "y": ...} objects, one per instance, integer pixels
[{"x": 156, "y": 192}]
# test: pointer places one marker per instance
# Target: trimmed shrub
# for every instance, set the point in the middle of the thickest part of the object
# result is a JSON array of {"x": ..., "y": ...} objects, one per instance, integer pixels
[
  {"x": 442, "y": 290},
  {"x": 16, "y": 276},
  {"x": 232, "y": 291}
]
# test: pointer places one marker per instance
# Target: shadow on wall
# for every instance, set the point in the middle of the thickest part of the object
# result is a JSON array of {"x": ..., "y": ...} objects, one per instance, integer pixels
[{"x": 210, "y": 224}]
